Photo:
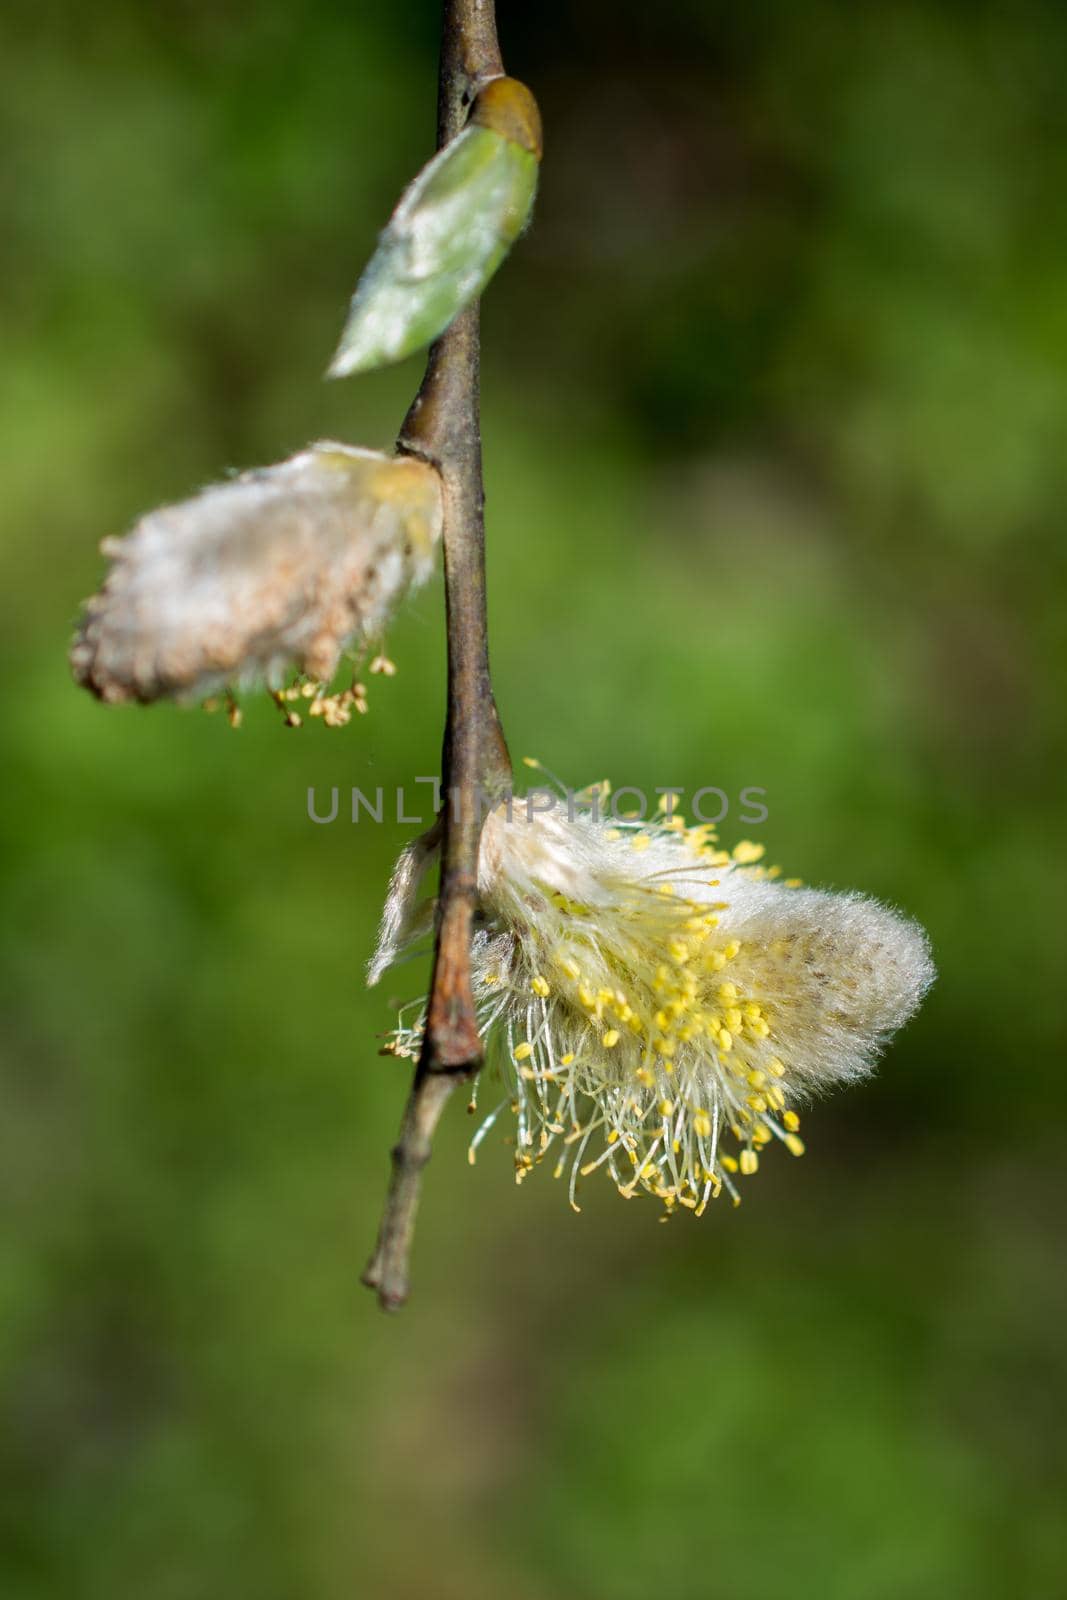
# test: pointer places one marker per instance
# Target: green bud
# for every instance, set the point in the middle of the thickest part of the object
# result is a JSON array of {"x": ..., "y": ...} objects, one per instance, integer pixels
[{"x": 452, "y": 229}]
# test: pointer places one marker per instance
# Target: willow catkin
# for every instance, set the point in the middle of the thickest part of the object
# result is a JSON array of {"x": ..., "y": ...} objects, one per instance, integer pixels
[
  {"x": 283, "y": 566},
  {"x": 660, "y": 1008}
]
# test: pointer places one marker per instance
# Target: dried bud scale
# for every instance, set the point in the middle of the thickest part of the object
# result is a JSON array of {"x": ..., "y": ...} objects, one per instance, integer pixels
[{"x": 283, "y": 566}]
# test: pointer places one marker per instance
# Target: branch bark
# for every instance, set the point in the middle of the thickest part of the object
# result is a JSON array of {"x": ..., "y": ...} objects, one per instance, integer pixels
[{"x": 443, "y": 427}]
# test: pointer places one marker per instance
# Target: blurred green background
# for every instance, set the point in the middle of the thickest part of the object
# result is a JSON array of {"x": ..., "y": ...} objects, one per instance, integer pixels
[{"x": 775, "y": 419}]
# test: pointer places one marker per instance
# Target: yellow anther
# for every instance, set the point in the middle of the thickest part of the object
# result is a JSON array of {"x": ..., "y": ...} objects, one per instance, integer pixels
[
  {"x": 666, "y": 1108},
  {"x": 756, "y": 1079},
  {"x": 761, "y": 1028},
  {"x": 662, "y": 1019},
  {"x": 753, "y": 1012},
  {"x": 734, "y": 1020},
  {"x": 757, "y": 1102},
  {"x": 775, "y": 1097},
  {"x": 640, "y": 841},
  {"x": 540, "y": 987},
  {"x": 664, "y": 1046},
  {"x": 566, "y": 1060},
  {"x": 611, "y": 1038},
  {"x": 645, "y": 1077},
  {"x": 732, "y": 949},
  {"x": 613, "y": 1136},
  {"x": 727, "y": 992},
  {"x": 702, "y": 1125},
  {"x": 749, "y": 1162},
  {"x": 524, "y": 1052},
  {"x": 678, "y": 951},
  {"x": 776, "y": 1067},
  {"x": 791, "y": 1120},
  {"x": 728, "y": 1163},
  {"x": 571, "y": 968},
  {"x": 794, "y": 1145},
  {"x": 587, "y": 997},
  {"x": 746, "y": 852},
  {"x": 725, "y": 1041}
]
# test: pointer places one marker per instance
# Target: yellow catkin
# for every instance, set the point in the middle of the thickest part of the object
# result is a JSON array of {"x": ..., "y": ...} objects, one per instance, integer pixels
[{"x": 668, "y": 1048}]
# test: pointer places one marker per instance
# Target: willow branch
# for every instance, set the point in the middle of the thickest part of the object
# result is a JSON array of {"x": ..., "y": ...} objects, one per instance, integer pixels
[{"x": 443, "y": 427}]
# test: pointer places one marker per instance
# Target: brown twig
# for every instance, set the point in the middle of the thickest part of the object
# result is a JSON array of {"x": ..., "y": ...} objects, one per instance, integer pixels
[{"x": 443, "y": 427}]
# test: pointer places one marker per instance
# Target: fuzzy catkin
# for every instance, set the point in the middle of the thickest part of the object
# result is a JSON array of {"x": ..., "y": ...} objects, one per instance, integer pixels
[
  {"x": 661, "y": 1006},
  {"x": 286, "y": 565}
]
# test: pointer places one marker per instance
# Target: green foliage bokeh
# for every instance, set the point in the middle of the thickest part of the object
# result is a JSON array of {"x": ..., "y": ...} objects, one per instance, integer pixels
[{"x": 775, "y": 398}]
